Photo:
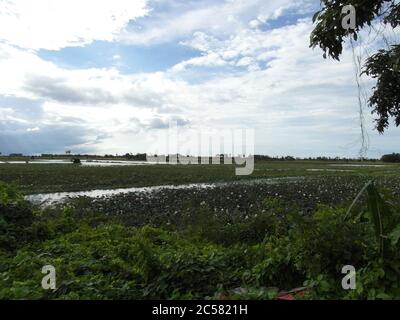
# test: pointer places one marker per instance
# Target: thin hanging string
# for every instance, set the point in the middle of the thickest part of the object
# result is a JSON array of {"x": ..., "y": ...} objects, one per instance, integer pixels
[
  {"x": 358, "y": 60},
  {"x": 362, "y": 100},
  {"x": 363, "y": 97}
]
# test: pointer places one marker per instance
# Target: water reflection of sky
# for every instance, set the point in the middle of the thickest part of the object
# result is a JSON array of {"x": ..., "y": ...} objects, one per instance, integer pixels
[
  {"x": 54, "y": 198},
  {"x": 102, "y": 163}
]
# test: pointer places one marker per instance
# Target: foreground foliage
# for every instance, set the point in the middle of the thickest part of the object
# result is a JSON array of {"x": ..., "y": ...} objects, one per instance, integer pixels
[{"x": 100, "y": 257}]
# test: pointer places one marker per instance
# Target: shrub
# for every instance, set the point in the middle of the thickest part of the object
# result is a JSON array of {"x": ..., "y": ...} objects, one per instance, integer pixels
[
  {"x": 394, "y": 157},
  {"x": 16, "y": 218},
  {"x": 202, "y": 254}
]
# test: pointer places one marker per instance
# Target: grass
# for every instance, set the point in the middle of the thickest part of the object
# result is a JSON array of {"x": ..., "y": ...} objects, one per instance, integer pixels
[{"x": 35, "y": 178}]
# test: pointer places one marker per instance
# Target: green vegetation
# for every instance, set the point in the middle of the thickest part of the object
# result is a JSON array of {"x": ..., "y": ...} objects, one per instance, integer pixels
[
  {"x": 247, "y": 240},
  {"x": 233, "y": 202},
  {"x": 202, "y": 254},
  {"x": 35, "y": 178},
  {"x": 383, "y": 65},
  {"x": 393, "y": 158}
]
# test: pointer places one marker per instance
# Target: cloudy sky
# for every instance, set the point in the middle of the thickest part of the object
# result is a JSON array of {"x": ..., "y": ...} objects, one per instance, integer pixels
[{"x": 101, "y": 76}]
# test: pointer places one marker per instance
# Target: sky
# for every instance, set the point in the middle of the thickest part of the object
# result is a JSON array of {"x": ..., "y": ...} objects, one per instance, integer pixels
[{"x": 108, "y": 77}]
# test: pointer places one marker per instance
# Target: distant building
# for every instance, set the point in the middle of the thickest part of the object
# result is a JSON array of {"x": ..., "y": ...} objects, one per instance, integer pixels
[{"x": 16, "y": 155}]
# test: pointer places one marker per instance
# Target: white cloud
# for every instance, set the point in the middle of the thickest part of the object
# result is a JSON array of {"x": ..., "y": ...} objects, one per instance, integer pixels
[
  {"x": 52, "y": 25},
  {"x": 216, "y": 17},
  {"x": 35, "y": 129},
  {"x": 297, "y": 95},
  {"x": 255, "y": 23},
  {"x": 25, "y": 75},
  {"x": 269, "y": 80},
  {"x": 209, "y": 60}
]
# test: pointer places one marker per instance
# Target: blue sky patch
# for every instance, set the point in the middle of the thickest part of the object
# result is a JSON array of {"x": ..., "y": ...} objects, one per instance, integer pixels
[{"x": 126, "y": 58}]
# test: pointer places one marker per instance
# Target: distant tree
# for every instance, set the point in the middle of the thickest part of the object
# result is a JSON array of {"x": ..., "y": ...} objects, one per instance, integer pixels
[
  {"x": 394, "y": 157},
  {"x": 384, "y": 66}
]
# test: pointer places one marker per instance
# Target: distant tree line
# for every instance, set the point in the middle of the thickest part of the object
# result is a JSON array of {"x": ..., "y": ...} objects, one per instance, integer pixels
[
  {"x": 320, "y": 158},
  {"x": 136, "y": 157},
  {"x": 394, "y": 157}
]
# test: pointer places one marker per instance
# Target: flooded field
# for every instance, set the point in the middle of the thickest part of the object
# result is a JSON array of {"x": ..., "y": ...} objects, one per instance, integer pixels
[
  {"x": 118, "y": 220},
  {"x": 234, "y": 200},
  {"x": 95, "y": 163},
  {"x": 59, "y": 197},
  {"x": 60, "y": 176}
]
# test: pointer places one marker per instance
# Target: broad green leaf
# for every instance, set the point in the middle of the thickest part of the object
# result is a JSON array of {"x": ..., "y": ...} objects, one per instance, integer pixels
[{"x": 394, "y": 236}]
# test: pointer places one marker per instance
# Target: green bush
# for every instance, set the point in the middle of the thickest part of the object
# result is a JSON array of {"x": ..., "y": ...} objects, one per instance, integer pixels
[
  {"x": 16, "y": 218},
  {"x": 203, "y": 255}
]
